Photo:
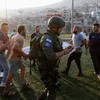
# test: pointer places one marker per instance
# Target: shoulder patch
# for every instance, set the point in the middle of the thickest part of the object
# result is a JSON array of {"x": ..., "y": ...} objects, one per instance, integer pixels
[
  {"x": 47, "y": 44},
  {"x": 48, "y": 40}
]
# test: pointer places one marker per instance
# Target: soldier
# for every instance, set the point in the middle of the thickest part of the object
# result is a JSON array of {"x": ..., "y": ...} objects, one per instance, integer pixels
[{"x": 49, "y": 55}]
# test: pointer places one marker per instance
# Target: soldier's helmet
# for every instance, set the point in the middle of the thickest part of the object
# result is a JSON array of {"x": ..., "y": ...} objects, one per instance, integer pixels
[{"x": 56, "y": 22}]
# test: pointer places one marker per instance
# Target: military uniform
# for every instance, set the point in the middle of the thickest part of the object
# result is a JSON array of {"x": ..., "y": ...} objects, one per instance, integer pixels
[
  {"x": 49, "y": 56},
  {"x": 48, "y": 64}
]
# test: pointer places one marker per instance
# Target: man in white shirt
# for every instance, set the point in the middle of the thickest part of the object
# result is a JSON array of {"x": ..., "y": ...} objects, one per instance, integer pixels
[{"x": 84, "y": 34}]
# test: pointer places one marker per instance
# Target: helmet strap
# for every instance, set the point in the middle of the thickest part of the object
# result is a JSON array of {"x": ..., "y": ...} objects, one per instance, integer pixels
[{"x": 58, "y": 33}]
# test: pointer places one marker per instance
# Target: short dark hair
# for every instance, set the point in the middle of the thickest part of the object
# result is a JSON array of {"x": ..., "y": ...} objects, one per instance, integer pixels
[
  {"x": 21, "y": 28},
  {"x": 37, "y": 27},
  {"x": 14, "y": 30},
  {"x": 4, "y": 24},
  {"x": 96, "y": 24},
  {"x": 76, "y": 27}
]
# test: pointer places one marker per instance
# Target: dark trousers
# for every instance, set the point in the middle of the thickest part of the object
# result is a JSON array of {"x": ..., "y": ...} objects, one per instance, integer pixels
[
  {"x": 96, "y": 61},
  {"x": 34, "y": 63},
  {"x": 74, "y": 56}
]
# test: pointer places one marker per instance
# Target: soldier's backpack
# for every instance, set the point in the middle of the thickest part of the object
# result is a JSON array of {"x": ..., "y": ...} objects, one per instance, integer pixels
[{"x": 34, "y": 47}]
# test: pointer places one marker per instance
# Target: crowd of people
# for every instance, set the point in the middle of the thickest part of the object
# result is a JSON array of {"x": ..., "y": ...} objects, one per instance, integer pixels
[
  {"x": 50, "y": 52},
  {"x": 12, "y": 60}
]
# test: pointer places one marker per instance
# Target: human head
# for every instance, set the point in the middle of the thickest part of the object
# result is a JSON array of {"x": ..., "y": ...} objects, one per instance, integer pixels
[
  {"x": 14, "y": 30},
  {"x": 75, "y": 29},
  {"x": 4, "y": 27},
  {"x": 56, "y": 24},
  {"x": 22, "y": 30},
  {"x": 95, "y": 27},
  {"x": 84, "y": 30},
  {"x": 37, "y": 29}
]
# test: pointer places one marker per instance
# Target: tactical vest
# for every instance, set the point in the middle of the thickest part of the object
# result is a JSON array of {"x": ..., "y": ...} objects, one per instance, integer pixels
[{"x": 57, "y": 47}]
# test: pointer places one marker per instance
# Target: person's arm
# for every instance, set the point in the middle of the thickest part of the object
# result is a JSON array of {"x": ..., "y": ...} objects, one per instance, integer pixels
[
  {"x": 88, "y": 43},
  {"x": 85, "y": 39},
  {"x": 18, "y": 47},
  {"x": 83, "y": 42},
  {"x": 47, "y": 47},
  {"x": 64, "y": 52},
  {"x": 70, "y": 42},
  {"x": 33, "y": 35},
  {"x": 87, "y": 46},
  {"x": 3, "y": 46}
]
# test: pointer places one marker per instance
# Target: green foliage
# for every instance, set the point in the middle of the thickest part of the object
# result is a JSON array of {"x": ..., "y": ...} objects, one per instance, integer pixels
[{"x": 65, "y": 35}]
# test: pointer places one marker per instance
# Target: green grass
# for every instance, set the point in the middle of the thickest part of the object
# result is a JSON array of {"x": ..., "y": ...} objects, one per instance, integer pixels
[
  {"x": 72, "y": 87},
  {"x": 61, "y": 35},
  {"x": 65, "y": 35}
]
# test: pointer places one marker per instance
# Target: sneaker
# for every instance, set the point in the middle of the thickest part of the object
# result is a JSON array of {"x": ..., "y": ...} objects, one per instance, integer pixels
[
  {"x": 4, "y": 84},
  {"x": 98, "y": 76}
]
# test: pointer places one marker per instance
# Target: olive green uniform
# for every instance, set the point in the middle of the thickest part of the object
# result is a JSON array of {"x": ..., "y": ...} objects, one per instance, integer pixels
[{"x": 47, "y": 61}]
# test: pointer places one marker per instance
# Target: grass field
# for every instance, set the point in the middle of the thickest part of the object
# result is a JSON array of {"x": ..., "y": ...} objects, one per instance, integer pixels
[{"x": 72, "y": 87}]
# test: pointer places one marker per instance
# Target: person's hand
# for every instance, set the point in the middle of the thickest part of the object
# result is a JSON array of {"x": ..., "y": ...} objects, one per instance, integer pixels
[
  {"x": 25, "y": 56},
  {"x": 68, "y": 49}
]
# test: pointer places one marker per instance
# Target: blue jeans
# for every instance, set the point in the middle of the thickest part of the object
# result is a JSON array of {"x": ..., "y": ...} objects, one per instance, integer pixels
[{"x": 4, "y": 65}]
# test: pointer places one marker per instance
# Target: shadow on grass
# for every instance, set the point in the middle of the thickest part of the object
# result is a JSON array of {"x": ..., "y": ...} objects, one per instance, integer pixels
[
  {"x": 17, "y": 96},
  {"x": 28, "y": 93},
  {"x": 21, "y": 94},
  {"x": 77, "y": 89},
  {"x": 36, "y": 75}
]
